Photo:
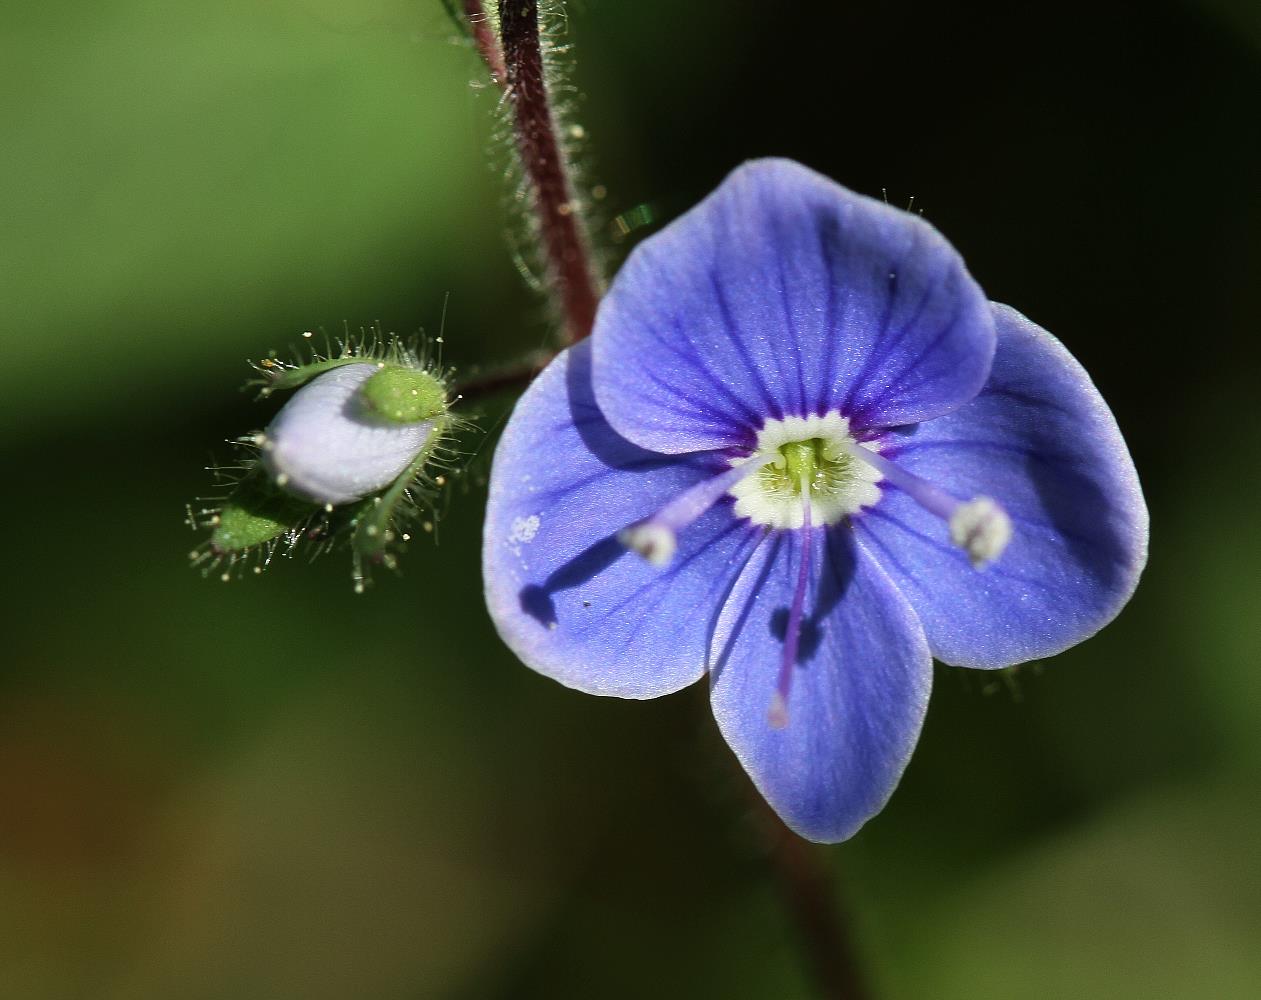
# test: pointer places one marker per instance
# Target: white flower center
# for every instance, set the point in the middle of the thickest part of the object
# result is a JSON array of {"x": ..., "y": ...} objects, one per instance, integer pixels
[{"x": 805, "y": 459}]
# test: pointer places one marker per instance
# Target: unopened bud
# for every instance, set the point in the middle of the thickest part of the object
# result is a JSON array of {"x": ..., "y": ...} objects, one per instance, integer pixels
[{"x": 347, "y": 433}]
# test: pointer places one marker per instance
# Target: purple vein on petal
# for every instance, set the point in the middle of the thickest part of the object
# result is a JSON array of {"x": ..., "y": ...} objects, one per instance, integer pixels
[
  {"x": 996, "y": 570},
  {"x": 715, "y": 417},
  {"x": 758, "y": 537},
  {"x": 899, "y": 384},
  {"x": 890, "y": 346},
  {"x": 723, "y": 587},
  {"x": 1036, "y": 454},
  {"x": 790, "y": 326},
  {"x": 830, "y": 227},
  {"x": 559, "y": 493},
  {"x": 769, "y": 403},
  {"x": 743, "y": 412},
  {"x": 723, "y": 640}
]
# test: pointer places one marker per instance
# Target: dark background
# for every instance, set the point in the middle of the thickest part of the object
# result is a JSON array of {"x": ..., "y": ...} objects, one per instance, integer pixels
[{"x": 274, "y": 788}]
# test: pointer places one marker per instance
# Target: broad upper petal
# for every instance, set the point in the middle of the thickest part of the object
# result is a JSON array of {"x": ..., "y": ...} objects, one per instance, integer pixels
[
  {"x": 564, "y": 594},
  {"x": 1041, "y": 440},
  {"x": 859, "y": 691},
  {"x": 784, "y": 293}
]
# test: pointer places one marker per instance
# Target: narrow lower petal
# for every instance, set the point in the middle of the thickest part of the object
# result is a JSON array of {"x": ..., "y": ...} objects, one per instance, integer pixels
[
  {"x": 784, "y": 294},
  {"x": 858, "y": 697},
  {"x": 564, "y": 593},
  {"x": 1040, "y": 440}
]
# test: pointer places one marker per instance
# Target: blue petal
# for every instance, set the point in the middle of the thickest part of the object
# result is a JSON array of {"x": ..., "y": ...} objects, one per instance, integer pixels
[
  {"x": 564, "y": 594},
  {"x": 783, "y": 293},
  {"x": 859, "y": 692},
  {"x": 1040, "y": 440}
]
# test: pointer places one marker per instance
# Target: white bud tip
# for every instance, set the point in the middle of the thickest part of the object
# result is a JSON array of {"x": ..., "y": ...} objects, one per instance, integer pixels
[
  {"x": 654, "y": 542},
  {"x": 778, "y": 714},
  {"x": 982, "y": 529}
]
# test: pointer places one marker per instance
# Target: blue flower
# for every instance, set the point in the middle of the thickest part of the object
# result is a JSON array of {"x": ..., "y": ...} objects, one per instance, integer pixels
[{"x": 839, "y": 460}]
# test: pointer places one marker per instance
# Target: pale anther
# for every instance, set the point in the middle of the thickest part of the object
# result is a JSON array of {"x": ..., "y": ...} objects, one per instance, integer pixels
[
  {"x": 982, "y": 529},
  {"x": 654, "y": 542}
]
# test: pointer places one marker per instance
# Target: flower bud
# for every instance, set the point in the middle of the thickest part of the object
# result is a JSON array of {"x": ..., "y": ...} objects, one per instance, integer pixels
[{"x": 353, "y": 431}]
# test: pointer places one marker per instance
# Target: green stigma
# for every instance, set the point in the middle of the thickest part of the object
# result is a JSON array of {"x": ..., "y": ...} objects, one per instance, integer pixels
[
  {"x": 815, "y": 462},
  {"x": 404, "y": 395}
]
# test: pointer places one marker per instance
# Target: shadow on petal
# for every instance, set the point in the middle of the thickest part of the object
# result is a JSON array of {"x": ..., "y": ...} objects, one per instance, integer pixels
[
  {"x": 536, "y": 599},
  {"x": 602, "y": 440},
  {"x": 833, "y": 581},
  {"x": 833, "y": 572},
  {"x": 1076, "y": 507}
]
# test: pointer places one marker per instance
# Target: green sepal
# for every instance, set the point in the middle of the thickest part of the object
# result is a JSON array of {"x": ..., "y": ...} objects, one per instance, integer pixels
[
  {"x": 279, "y": 377},
  {"x": 375, "y": 521},
  {"x": 256, "y": 513}
]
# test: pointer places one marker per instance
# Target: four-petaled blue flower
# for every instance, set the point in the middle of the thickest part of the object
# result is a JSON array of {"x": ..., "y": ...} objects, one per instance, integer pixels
[{"x": 839, "y": 460}]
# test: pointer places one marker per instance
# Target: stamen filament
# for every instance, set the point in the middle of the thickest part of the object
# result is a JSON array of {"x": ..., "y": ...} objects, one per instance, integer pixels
[
  {"x": 778, "y": 714},
  {"x": 932, "y": 498},
  {"x": 979, "y": 526},
  {"x": 656, "y": 537}
]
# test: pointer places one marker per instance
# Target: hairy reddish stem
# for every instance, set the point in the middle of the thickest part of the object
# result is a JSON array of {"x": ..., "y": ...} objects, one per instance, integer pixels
[
  {"x": 496, "y": 380},
  {"x": 485, "y": 40},
  {"x": 542, "y": 157},
  {"x": 806, "y": 886}
]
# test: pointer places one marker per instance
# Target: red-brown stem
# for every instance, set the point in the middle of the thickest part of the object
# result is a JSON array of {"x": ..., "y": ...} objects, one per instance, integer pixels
[
  {"x": 806, "y": 886},
  {"x": 496, "y": 380},
  {"x": 484, "y": 38},
  {"x": 543, "y": 160}
]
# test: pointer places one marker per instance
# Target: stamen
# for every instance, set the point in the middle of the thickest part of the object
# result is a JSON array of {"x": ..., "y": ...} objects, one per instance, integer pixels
[
  {"x": 979, "y": 526},
  {"x": 982, "y": 529},
  {"x": 655, "y": 542},
  {"x": 656, "y": 538},
  {"x": 778, "y": 714}
]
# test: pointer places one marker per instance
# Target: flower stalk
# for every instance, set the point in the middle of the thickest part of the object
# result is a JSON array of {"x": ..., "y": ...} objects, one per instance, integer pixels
[
  {"x": 807, "y": 886},
  {"x": 504, "y": 378},
  {"x": 558, "y": 216},
  {"x": 483, "y": 32}
]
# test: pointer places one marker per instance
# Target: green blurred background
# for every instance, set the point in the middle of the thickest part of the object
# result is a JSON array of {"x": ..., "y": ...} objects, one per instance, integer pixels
[{"x": 277, "y": 789}]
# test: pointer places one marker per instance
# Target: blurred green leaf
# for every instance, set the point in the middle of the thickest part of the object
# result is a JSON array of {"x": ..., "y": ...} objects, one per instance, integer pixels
[
  {"x": 174, "y": 175},
  {"x": 1125, "y": 905}
]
